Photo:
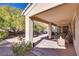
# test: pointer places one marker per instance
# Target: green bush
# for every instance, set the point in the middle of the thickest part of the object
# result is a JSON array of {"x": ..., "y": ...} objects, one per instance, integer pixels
[
  {"x": 22, "y": 49},
  {"x": 3, "y": 35}
]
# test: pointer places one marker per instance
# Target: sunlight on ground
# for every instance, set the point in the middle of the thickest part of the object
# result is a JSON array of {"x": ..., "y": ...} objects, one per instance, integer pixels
[
  {"x": 49, "y": 44},
  {"x": 39, "y": 38}
]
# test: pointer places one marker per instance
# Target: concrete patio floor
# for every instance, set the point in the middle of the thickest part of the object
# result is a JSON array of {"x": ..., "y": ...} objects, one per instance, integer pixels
[
  {"x": 42, "y": 42},
  {"x": 45, "y": 47},
  {"x": 54, "y": 52}
]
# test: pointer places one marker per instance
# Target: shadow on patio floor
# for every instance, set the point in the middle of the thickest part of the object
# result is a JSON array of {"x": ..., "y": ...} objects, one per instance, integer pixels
[{"x": 69, "y": 51}]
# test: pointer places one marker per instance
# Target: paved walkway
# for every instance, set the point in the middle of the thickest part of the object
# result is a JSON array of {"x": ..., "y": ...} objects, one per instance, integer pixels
[{"x": 5, "y": 47}]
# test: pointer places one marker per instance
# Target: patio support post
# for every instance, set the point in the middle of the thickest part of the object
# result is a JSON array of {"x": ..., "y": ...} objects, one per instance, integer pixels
[
  {"x": 28, "y": 29},
  {"x": 61, "y": 29},
  {"x": 49, "y": 31}
]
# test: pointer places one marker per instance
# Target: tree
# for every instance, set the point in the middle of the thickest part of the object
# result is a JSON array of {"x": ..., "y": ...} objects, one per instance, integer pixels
[
  {"x": 38, "y": 27},
  {"x": 11, "y": 20}
]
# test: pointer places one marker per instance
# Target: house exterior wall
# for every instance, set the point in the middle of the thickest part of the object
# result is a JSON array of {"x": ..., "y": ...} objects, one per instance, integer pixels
[{"x": 76, "y": 39}]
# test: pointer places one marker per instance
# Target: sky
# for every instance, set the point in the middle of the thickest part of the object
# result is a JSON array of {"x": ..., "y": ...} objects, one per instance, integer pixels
[{"x": 21, "y": 6}]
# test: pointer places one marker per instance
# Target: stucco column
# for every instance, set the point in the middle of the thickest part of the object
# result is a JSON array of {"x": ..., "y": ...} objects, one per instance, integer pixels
[
  {"x": 61, "y": 29},
  {"x": 28, "y": 29},
  {"x": 49, "y": 31}
]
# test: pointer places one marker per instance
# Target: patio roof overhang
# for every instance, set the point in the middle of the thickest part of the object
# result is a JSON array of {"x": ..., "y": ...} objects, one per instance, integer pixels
[{"x": 59, "y": 15}]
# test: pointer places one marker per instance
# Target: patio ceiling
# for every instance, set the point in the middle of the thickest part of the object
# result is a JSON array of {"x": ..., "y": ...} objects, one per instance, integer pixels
[{"x": 60, "y": 15}]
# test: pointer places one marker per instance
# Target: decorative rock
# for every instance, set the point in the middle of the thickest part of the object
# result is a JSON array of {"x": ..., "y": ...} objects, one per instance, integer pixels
[{"x": 61, "y": 42}]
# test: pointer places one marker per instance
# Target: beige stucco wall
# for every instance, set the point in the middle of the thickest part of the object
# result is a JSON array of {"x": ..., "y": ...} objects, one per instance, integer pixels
[
  {"x": 76, "y": 40},
  {"x": 28, "y": 29}
]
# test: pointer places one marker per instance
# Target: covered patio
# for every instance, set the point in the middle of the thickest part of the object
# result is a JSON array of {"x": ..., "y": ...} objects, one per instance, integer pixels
[{"x": 61, "y": 15}]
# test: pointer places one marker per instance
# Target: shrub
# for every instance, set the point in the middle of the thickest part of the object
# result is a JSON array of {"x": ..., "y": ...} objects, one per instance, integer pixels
[
  {"x": 22, "y": 49},
  {"x": 3, "y": 35}
]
